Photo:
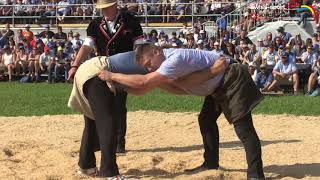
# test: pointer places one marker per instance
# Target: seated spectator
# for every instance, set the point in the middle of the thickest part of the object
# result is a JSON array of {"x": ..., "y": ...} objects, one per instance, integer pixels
[
  {"x": 268, "y": 40},
  {"x": 8, "y": 32},
  {"x": 203, "y": 36},
  {"x": 21, "y": 61},
  {"x": 20, "y": 10},
  {"x": 63, "y": 9},
  {"x": 45, "y": 64},
  {"x": 62, "y": 65},
  {"x": 8, "y": 59},
  {"x": 243, "y": 36},
  {"x": 200, "y": 45},
  {"x": 27, "y": 33},
  {"x": 70, "y": 36},
  {"x": 309, "y": 57},
  {"x": 264, "y": 78},
  {"x": 269, "y": 56},
  {"x": 76, "y": 40},
  {"x": 244, "y": 52},
  {"x": 252, "y": 68},
  {"x": 284, "y": 36},
  {"x": 19, "y": 37},
  {"x": 285, "y": 70},
  {"x": 216, "y": 47},
  {"x": 60, "y": 35},
  {"x": 230, "y": 50},
  {"x": 253, "y": 55},
  {"x": 261, "y": 48},
  {"x": 314, "y": 80},
  {"x": 278, "y": 42},
  {"x": 190, "y": 42},
  {"x": 291, "y": 52},
  {"x": 33, "y": 64},
  {"x": 3, "y": 40},
  {"x": 50, "y": 8},
  {"x": 47, "y": 31}
]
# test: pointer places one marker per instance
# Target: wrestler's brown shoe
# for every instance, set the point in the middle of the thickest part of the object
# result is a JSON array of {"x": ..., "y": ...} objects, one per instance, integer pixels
[{"x": 202, "y": 167}]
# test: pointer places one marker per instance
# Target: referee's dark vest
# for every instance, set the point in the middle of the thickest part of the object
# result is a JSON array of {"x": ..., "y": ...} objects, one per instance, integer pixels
[{"x": 127, "y": 28}]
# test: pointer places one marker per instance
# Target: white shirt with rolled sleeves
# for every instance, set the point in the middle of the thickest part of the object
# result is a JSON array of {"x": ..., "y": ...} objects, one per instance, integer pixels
[
  {"x": 180, "y": 62},
  {"x": 285, "y": 68}
]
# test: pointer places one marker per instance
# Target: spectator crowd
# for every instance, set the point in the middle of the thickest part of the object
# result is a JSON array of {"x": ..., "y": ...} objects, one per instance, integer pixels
[
  {"x": 273, "y": 60},
  {"x": 31, "y": 55}
]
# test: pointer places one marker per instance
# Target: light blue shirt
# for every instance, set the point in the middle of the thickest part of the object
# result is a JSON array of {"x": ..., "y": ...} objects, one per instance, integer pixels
[
  {"x": 181, "y": 62},
  {"x": 285, "y": 68}
]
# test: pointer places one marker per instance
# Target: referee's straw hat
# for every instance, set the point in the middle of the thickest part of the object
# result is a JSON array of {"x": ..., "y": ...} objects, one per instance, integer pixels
[{"x": 101, "y": 4}]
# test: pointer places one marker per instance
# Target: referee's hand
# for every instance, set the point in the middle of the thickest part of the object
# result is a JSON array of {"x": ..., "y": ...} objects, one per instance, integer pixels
[{"x": 72, "y": 72}]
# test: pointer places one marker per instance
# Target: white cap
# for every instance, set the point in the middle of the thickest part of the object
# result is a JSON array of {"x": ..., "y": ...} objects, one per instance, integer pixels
[
  {"x": 174, "y": 44},
  {"x": 200, "y": 41},
  {"x": 27, "y": 25},
  {"x": 201, "y": 31}
]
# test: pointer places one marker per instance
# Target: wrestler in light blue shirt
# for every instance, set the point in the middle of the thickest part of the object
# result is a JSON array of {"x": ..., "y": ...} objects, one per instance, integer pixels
[{"x": 180, "y": 62}]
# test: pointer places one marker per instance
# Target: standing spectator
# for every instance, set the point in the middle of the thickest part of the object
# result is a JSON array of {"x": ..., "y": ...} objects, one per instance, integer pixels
[
  {"x": 8, "y": 60},
  {"x": 27, "y": 33},
  {"x": 264, "y": 78},
  {"x": 21, "y": 61},
  {"x": 287, "y": 70},
  {"x": 47, "y": 31},
  {"x": 115, "y": 32},
  {"x": 222, "y": 24},
  {"x": 60, "y": 35}
]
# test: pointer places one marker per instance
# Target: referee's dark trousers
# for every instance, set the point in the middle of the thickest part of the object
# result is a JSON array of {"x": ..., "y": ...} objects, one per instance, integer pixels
[
  {"x": 245, "y": 131},
  {"x": 101, "y": 132}
]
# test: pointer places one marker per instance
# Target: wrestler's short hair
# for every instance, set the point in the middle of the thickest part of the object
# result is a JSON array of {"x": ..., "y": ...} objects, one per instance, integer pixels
[{"x": 142, "y": 49}]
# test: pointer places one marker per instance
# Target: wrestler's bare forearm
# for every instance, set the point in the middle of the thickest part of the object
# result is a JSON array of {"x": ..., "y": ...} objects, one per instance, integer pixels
[
  {"x": 148, "y": 81},
  {"x": 170, "y": 88},
  {"x": 204, "y": 75}
]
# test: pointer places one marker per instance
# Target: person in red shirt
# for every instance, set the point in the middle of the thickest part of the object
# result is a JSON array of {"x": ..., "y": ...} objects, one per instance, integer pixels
[{"x": 27, "y": 33}]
